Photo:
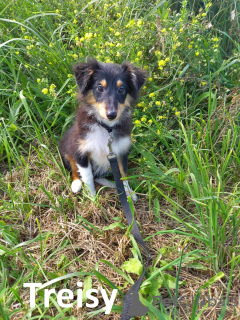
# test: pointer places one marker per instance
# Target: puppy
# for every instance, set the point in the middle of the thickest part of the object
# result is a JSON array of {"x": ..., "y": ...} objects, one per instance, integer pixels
[{"x": 106, "y": 93}]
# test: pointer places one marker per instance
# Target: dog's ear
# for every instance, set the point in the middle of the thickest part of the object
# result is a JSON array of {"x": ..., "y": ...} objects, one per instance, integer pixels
[
  {"x": 84, "y": 74},
  {"x": 137, "y": 76}
]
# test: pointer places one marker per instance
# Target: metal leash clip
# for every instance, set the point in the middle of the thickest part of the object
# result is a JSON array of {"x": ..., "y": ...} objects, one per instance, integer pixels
[{"x": 110, "y": 141}]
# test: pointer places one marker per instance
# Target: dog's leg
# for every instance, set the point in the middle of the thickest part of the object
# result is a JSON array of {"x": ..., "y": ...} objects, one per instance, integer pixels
[
  {"x": 104, "y": 182},
  {"x": 123, "y": 164},
  {"x": 76, "y": 183},
  {"x": 87, "y": 176}
]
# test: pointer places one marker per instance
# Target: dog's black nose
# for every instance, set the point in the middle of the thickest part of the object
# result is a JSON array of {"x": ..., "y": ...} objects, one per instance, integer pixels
[{"x": 111, "y": 115}]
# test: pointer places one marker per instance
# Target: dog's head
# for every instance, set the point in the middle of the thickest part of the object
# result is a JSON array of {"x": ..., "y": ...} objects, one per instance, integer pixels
[{"x": 108, "y": 88}]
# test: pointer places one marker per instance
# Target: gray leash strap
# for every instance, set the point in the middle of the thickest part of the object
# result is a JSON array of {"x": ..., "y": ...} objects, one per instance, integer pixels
[{"x": 127, "y": 303}]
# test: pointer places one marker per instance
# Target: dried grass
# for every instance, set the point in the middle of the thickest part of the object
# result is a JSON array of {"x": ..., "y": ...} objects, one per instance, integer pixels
[{"x": 114, "y": 246}]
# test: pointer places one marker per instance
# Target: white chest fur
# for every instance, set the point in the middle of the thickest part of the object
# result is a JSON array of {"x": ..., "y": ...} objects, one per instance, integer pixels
[{"x": 96, "y": 144}]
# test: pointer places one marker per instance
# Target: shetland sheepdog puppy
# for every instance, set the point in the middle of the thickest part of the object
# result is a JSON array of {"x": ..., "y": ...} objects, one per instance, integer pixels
[{"x": 106, "y": 93}]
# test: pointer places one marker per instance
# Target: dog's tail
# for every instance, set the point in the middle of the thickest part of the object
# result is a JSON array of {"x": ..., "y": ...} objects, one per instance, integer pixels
[{"x": 104, "y": 182}]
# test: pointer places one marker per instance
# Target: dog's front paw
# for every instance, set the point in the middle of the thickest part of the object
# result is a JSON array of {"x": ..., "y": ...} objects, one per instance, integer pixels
[
  {"x": 91, "y": 191},
  {"x": 129, "y": 191},
  {"x": 76, "y": 185},
  {"x": 134, "y": 197}
]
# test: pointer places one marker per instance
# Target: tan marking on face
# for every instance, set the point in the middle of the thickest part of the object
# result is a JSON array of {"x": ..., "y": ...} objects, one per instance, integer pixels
[
  {"x": 90, "y": 97},
  {"x": 75, "y": 175},
  {"x": 102, "y": 109},
  {"x": 119, "y": 83},
  {"x": 121, "y": 106},
  {"x": 103, "y": 83}
]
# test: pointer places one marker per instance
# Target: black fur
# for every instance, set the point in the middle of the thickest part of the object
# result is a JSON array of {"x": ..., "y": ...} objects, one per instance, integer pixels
[{"x": 106, "y": 92}]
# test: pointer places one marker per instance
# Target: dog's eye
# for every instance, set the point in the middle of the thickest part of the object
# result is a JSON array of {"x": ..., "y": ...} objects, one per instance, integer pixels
[
  {"x": 121, "y": 90},
  {"x": 100, "y": 88}
]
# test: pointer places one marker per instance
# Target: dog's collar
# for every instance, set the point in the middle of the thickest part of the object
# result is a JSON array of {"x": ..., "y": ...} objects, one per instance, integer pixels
[{"x": 109, "y": 129}]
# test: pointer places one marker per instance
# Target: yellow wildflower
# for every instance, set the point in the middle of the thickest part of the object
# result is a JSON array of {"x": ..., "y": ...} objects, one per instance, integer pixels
[
  {"x": 45, "y": 90},
  {"x": 161, "y": 63},
  {"x": 88, "y": 35}
]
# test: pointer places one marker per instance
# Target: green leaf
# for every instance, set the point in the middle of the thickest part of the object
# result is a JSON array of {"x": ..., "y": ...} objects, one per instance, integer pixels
[
  {"x": 53, "y": 275},
  {"x": 153, "y": 309},
  {"x": 114, "y": 225},
  {"x": 118, "y": 271},
  {"x": 117, "y": 218},
  {"x": 133, "y": 266},
  {"x": 86, "y": 286},
  {"x": 63, "y": 261},
  {"x": 165, "y": 263},
  {"x": 171, "y": 281},
  {"x": 198, "y": 266},
  {"x": 151, "y": 288}
]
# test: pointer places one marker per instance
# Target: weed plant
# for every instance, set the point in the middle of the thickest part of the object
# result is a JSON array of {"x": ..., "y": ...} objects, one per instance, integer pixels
[{"x": 184, "y": 161}]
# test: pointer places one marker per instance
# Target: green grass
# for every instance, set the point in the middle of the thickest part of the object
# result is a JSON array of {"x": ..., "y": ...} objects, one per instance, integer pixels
[{"x": 184, "y": 162}]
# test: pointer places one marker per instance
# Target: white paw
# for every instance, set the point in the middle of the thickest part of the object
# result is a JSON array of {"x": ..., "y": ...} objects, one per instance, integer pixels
[
  {"x": 90, "y": 189},
  {"x": 76, "y": 185},
  {"x": 134, "y": 197},
  {"x": 129, "y": 191}
]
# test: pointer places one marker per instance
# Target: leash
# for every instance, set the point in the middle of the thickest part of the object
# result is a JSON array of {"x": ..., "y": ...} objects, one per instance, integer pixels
[{"x": 133, "y": 291}]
